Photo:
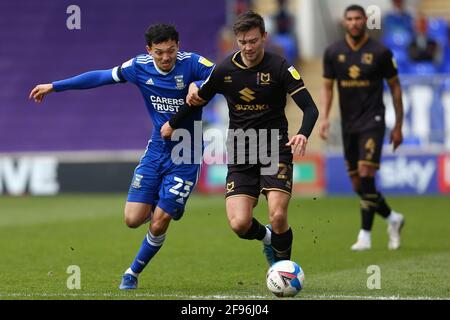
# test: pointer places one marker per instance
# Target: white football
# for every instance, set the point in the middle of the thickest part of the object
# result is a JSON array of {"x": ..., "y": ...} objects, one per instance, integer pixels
[{"x": 285, "y": 278}]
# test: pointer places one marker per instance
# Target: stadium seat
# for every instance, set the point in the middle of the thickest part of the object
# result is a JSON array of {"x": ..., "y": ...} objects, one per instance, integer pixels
[
  {"x": 287, "y": 42},
  {"x": 446, "y": 84},
  {"x": 107, "y": 118},
  {"x": 437, "y": 117},
  {"x": 445, "y": 68},
  {"x": 398, "y": 22},
  {"x": 397, "y": 39},
  {"x": 411, "y": 141},
  {"x": 438, "y": 30},
  {"x": 402, "y": 59},
  {"x": 422, "y": 68}
]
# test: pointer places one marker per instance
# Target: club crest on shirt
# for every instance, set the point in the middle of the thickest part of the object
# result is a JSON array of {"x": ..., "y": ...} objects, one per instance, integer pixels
[
  {"x": 263, "y": 78},
  {"x": 137, "y": 181},
  {"x": 367, "y": 58},
  {"x": 179, "y": 82}
]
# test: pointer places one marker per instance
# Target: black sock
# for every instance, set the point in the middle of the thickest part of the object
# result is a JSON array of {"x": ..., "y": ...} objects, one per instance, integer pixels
[
  {"x": 282, "y": 244},
  {"x": 368, "y": 202},
  {"x": 382, "y": 207},
  {"x": 368, "y": 186},
  {"x": 256, "y": 231},
  {"x": 367, "y": 216}
]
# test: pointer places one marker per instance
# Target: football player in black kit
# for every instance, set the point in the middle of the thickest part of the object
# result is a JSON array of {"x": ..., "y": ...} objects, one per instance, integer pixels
[
  {"x": 255, "y": 84},
  {"x": 359, "y": 64}
]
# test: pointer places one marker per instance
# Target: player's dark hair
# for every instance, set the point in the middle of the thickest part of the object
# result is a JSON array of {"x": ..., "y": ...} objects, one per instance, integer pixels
[
  {"x": 355, "y": 7},
  {"x": 247, "y": 21},
  {"x": 158, "y": 33}
]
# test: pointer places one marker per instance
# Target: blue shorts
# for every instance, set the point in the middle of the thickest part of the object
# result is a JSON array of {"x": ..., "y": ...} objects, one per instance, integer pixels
[{"x": 158, "y": 181}]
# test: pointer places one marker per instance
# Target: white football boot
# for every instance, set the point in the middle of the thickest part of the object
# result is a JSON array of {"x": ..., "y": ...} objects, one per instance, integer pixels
[
  {"x": 395, "y": 225},
  {"x": 363, "y": 242}
]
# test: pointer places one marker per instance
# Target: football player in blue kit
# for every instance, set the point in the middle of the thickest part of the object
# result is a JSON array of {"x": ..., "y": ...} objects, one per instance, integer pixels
[{"x": 159, "y": 188}]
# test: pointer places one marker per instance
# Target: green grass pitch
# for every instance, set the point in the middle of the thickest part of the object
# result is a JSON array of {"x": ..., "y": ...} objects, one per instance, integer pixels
[{"x": 202, "y": 258}]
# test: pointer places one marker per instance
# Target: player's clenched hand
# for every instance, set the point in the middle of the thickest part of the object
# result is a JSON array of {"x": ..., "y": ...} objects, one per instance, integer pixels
[
  {"x": 193, "y": 99},
  {"x": 324, "y": 129},
  {"x": 396, "y": 137},
  {"x": 40, "y": 91},
  {"x": 166, "y": 130},
  {"x": 298, "y": 144}
]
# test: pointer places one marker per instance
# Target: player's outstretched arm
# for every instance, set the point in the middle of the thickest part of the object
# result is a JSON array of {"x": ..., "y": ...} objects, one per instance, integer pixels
[
  {"x": 396, "y": 90},
  {"x": 310, "y": 114},
  {"x": 38, "y": 93},
  {"x": 327, "y": 99},
  {"x": 88, "y": 80}
]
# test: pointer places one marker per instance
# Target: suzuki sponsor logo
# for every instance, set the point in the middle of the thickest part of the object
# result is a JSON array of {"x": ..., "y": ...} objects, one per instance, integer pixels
[{"x": 402, "y": 172}]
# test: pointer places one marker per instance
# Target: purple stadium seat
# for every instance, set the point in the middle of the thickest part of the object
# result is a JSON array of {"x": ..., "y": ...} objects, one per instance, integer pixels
[{"x": 37, "y": 47}]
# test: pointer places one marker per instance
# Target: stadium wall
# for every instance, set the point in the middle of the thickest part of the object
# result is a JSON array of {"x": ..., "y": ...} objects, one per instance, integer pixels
[
  {"x": 316, "y": 174},
  {"x": 421, "y": 165},
  {"x": 39, "y": 43}
]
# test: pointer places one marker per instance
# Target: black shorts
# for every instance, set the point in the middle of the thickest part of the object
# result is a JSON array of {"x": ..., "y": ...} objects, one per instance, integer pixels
[
  {"x": 247, "y": 180},
  {"x": 363, "y": 147}
]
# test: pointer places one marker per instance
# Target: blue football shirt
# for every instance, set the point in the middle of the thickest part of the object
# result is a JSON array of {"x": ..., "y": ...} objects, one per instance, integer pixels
[{"x": 165, "y": 92}]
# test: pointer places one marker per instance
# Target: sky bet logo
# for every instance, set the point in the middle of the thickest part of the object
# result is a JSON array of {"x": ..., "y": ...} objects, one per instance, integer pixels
[
  {"x": 408, "y": 173},
  {"x": 166, "y": 105}
]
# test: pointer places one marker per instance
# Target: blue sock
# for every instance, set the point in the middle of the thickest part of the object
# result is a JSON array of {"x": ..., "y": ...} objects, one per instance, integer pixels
[{"x": 150, "y": 246}]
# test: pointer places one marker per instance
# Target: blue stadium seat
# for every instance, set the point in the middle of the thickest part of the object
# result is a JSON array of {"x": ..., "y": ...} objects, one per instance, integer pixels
[
  {"x": 401, "y": 56},
  {"x": 447, "y": 84},
  {"x": 393, "y": 21},
  {"x": 423, "y": 68},
  {"x": 397, "y": 39},
  {"x": 289, "y": 45},
  {"x": 411, "y": 141},
  {"x": 438, "y": 30},
  {"x": 445, "y": 68}
]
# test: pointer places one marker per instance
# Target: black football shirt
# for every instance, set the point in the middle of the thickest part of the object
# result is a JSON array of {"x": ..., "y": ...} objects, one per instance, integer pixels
[
  {"x": 359, "y": 72},
  {"x": 256, "y": 96}
]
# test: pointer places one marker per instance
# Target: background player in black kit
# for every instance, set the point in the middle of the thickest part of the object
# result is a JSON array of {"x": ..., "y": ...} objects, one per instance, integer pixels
[
  {"x": 359, "y": 64},
  {"x": 255, "y": 84}
]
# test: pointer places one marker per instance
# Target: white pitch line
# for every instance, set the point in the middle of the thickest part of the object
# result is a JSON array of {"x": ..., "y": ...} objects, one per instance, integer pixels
[
  {"x": 219, "y": 297},
  {"x": 376, "y": 297},
  {"x": 150, "y": 295}
]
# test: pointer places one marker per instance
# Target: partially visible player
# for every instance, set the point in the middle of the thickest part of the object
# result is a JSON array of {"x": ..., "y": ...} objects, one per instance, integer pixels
[
  {"x": 359, "y": 64},
  {"x": 159, "y": 189},
  {"x": 255, "y": 84}
]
